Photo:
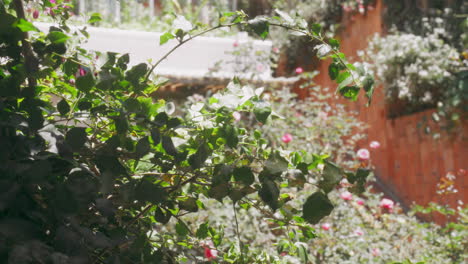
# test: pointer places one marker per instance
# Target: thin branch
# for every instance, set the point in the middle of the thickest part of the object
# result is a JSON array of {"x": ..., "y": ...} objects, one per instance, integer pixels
[
  {"x": 182, "y": 43},
  {"x": 237, "y": 232}
]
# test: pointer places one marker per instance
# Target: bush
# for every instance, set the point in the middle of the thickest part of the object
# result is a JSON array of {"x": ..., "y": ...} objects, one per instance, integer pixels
[{"x": 93, "y": 169}]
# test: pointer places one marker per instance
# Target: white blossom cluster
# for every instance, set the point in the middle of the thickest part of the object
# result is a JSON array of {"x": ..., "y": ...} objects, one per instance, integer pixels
[{"x": 415, "y": 68}]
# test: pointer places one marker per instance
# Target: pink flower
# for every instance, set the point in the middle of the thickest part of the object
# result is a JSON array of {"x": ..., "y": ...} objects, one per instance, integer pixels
[
  {"x": 284, "y": 253},
  {"x": 360, "y": 202},
  {"x": 358, "y": 232},
  {"x": 326, "y": 226},
  {"x": 299, "y": 70},
  {"x": 72, "y": 81},
  {"x": 374, "y": 145},
  {"x": 375, "y": 252},
  {"x": 347, "y": 196},
  {"x": 363, "y": 154},
  {"x": 260, "y": 68},
  {"x": 36, "y": 14},
  {"x": 237, "y": 116},
  {"x": 275, "y": 50},
  {"x": 52, "y": 1},
  {"x": 387, "y": 204},
  {"x": 235, "y": 44},
  {"x": 82, "y": 72},
  {"x": 209, "y": 250},
  {"x": 286, "y": 138}
]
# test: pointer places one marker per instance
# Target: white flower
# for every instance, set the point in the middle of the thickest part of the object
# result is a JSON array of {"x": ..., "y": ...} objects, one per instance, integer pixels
[{"x": 182, "y": 23}]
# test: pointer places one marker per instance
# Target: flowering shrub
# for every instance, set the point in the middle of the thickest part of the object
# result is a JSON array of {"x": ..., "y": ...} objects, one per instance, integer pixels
[
  {"x": 95, "y": 170},
  {"x": 418, "y": 72}
]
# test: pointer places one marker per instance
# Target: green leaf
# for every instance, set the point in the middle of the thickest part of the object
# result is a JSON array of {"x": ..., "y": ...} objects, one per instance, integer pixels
[
  {"x": 368, "y": 86},
  {"x": 333, "y": 71},
  {"x": 161, "y": 119},
  {"x": 168, "y": 146},
  {"x": 222, "y": 174},
  {"x": 95, "y": 17},
  {"x": 262, "y": 111},
  {"x": 269, "y": 194},
  {"x": 302, "y": 251},
  {"x": 316, "y": 29},
  {"x": 146, "y": 191},
  {"x": 142, "y": 147},
  {"x": 25, "y": 26},
  {"x": 57, "y": 37},
  {"x": 63, "y": 107},
  {"x": 244, "y": 174},
  {"x": 189, "y": 204},
  {"x": 173, "y": 123},
  {"x": 343, "y": 76},
  {"x": 276, "y": 164},
  {"x": 334, "y": 43},
  {"x": 155, "y": 135},
  {"x": 202, "y": 231},
  {"x": 219, "y": 191},
  {"x": 164, "y": 38},
  {"x": 76, "y": 138},
  {"x": 316, "y": 207},
  {"x": 260, "y": 26},
  {"x": 181, "y": 229},
  {"x": 331, "y": 176},
  {"x": 198, "y": 159},
  {"x": 231, "y": 136},
  {"x": 350, "y": 92},
  {"x": 161, "y": 216},
  {"x": 85, "y": 83}
]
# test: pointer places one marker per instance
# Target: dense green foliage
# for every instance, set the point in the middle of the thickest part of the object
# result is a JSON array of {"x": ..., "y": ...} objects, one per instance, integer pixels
[{"x": 93, "y": 168}]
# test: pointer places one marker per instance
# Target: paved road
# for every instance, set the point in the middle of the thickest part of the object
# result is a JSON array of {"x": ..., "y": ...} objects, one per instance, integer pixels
[{"x": 193, "y": 59}]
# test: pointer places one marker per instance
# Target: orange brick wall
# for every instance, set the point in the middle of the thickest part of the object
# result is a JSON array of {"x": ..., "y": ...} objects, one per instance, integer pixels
[{"x": 409, "y": 162}]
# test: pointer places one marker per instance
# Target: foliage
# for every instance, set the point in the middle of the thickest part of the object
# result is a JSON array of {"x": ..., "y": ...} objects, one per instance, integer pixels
[
  {"x": 419, "y": 72},
  {"x": 94, "y": 170},
  {"x": 314, "y": 125}
]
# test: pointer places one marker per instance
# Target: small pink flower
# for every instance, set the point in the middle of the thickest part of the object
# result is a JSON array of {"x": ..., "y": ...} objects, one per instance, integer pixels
[
  {"x": 260, "y": 68},
  {"x": 49, "y": 11},
  {"x": 299, "y": 70},
  {"x": 237, "y": 116},
  {"x": 375, "y": 252},
  {"x": 358, "y": 232},
  {"x": 82, "y": 72},
  {"x": 72, "y": 81},
  {"x": 286, "y": 138},
  {"x": 275, "y": 50},
  {"x": 360, "y": 202},
  {"x": 347, "y": 196},
  {"x": 52, "y": 1},
  {"x": 374, "y": 145},
  {"x": 363, "y": 154},
  {"x": 284, "y": 253},
  {"x": 35, "y": 14},
  {"x": 387, "y": 204},
  {"x": 326, "y": 226},
  {"x": 235, "y": 44}
]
